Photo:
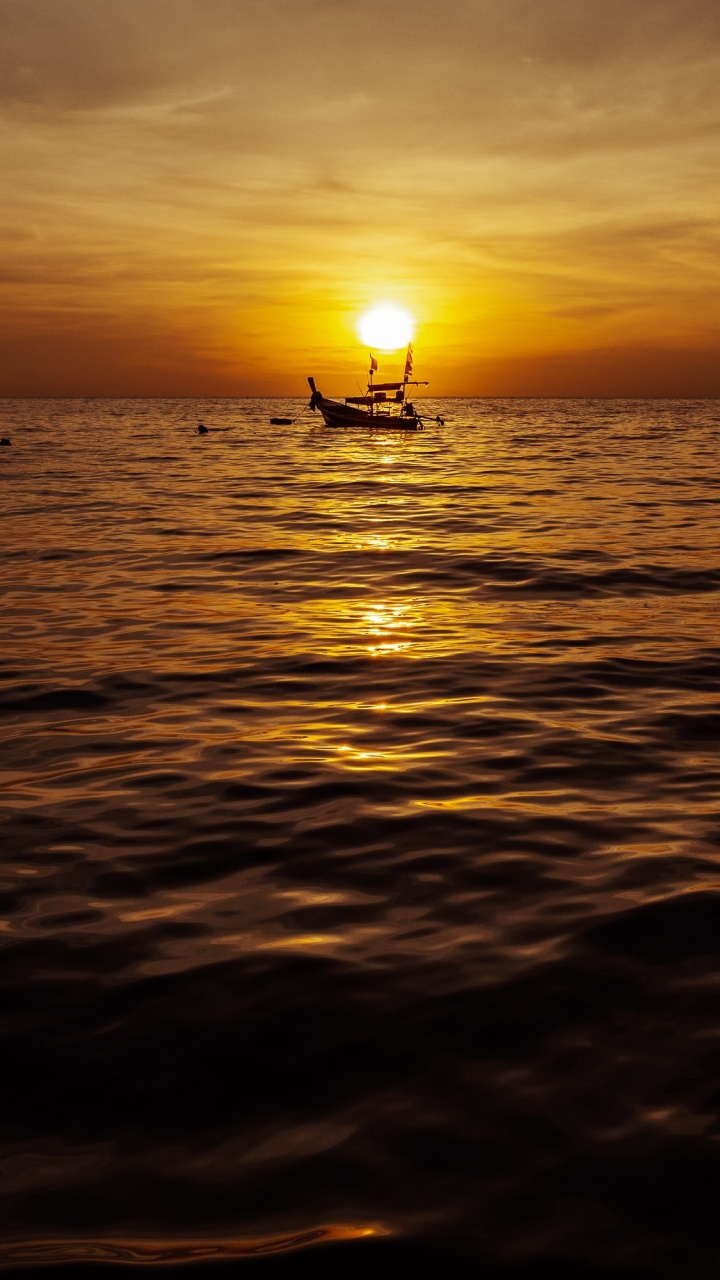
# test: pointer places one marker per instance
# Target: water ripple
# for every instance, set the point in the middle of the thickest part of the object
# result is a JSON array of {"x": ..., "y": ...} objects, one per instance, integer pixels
[{"x": 361, "y": 823}]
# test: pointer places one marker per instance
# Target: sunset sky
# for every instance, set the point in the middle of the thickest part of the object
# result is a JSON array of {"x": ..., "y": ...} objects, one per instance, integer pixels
[{"x": 201, "y": 197}]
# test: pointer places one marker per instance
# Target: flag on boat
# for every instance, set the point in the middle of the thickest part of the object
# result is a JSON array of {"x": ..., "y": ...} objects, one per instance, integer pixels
[
  {"x": 373, "y": 364},
  {"x": 408, "y": 361}
]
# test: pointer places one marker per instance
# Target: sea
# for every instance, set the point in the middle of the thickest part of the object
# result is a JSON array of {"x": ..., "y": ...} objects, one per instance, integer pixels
[{"x": 361, "y": 840}]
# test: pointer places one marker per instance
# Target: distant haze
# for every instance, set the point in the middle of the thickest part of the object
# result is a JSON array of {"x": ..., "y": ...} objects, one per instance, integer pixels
[{"x": 202, "y": 196}]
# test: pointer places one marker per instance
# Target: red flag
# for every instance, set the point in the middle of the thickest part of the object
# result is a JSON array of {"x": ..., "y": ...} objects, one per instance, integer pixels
[
  {"x": 373, "y": 364},
  {"x": 408, "y": 361}
]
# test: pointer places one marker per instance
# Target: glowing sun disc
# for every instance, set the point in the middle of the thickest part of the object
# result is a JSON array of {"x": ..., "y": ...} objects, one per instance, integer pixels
[{"x": 386, "y": 327}]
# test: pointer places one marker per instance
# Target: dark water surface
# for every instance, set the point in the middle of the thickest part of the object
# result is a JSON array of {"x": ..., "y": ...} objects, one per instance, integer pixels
[{"x": 361, "y": 875}]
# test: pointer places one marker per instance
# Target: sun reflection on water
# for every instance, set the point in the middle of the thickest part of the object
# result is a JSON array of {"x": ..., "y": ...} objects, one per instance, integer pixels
[{"x": 384, "y": 621}]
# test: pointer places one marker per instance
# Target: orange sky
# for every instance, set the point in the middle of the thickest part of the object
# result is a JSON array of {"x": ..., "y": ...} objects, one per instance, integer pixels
[{"x": 201, "y": 196}]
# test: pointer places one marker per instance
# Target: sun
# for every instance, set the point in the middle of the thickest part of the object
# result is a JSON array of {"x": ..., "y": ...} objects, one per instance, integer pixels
[{"x": 386, "y": 327}]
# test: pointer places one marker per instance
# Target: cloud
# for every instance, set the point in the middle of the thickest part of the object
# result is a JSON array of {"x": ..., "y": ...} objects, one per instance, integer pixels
[
  {"x": 254, "y": 164},
  {"x": 625, "y": 370},
  {"x": 78, "y": 53}
]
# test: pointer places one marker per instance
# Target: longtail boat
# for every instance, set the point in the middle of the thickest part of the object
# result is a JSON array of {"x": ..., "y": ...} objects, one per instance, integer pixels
[{"x": 384, "y": 407}]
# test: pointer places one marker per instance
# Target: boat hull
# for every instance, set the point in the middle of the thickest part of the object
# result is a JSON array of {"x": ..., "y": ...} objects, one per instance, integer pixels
[{"x": 345, "y": 415}]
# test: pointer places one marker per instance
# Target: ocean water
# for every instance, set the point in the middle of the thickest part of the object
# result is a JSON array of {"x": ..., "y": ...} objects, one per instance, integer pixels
[{"x": 361, "y": 838}]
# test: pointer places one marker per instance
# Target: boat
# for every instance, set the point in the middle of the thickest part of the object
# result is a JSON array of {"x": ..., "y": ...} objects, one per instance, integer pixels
[{"x": 384, "y": 407}]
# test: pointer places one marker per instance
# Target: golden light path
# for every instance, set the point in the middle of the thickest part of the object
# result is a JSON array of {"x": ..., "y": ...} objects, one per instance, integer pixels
[
  {"x": 43, "y": 1252},
  {"x": 386, "y": 327}
]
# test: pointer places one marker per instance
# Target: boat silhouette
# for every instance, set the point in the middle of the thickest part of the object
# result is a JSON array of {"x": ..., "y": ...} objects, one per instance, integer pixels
[{"x": 384, "y": 406}]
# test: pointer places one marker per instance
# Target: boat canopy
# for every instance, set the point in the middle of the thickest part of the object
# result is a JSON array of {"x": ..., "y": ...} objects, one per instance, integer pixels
[{"x": 386, "y": 386}]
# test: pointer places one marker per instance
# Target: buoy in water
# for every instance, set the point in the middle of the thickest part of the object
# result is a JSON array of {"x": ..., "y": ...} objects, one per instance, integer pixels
[
  {"x": 281, "y": 422},
  {"x": 202, "y": 429},
  {"x": 5, "y": 440}
]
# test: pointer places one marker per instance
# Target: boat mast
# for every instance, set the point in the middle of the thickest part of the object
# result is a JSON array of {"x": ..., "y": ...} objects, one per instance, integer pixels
[
  {"x": 408, "y": 371},
  {"x": 373, "y": 367}
]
